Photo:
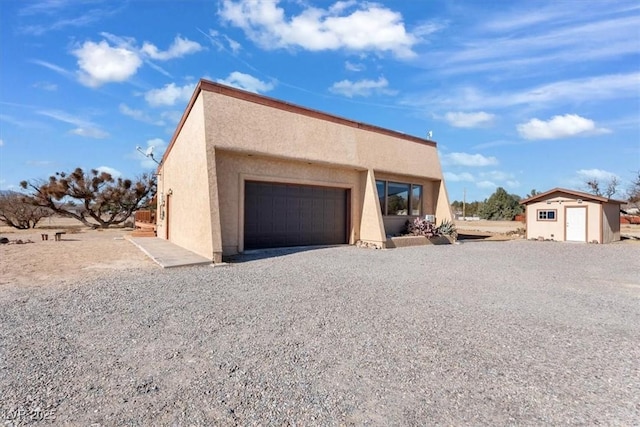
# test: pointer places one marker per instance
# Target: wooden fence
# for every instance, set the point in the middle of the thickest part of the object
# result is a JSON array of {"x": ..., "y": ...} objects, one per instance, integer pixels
[{"x": 145, "y": 216}]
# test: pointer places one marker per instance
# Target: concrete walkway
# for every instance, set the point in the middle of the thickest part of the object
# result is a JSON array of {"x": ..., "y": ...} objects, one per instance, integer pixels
[{"x": 167, "y": 254}]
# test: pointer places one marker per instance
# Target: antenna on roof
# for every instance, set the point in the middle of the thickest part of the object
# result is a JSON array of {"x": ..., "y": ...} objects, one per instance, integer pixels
[
  {"x": 147, "y": 153},
  {"x": 430, "y": 134}
]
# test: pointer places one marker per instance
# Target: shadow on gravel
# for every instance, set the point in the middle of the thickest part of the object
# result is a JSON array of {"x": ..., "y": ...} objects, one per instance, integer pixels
[
  {"x": 258, "y": 254},
  {"x": 462, "y": 237},
  {"x": 468, "y": 237}
]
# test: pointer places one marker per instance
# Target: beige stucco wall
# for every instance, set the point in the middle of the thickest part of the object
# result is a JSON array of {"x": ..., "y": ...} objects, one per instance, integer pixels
[
  {"x": 234, "y": 169},
  {"x": 555, "y": 230},
  {"x": 185, "y": 174},
  {"x": 610, "y": 222},
  {"x": 239, "y": 125},
  {"x": 371, "y": 223},
  {"x": 226, "y": 141},
  {"x": 303, "y": 149}
]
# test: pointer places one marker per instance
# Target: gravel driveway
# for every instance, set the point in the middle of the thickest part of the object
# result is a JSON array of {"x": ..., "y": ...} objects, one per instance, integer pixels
[{"x": 517, "y": 332}]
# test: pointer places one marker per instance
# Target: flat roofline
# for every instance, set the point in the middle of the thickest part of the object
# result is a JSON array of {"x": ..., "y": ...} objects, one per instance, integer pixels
[{"x": 209, "y": 86}]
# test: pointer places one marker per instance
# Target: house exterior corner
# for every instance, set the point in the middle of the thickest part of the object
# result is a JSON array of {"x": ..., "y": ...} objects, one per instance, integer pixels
[{"x": 244, "y": 171}]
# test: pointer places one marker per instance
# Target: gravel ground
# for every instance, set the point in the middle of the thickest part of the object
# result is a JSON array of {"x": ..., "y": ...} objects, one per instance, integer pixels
[{"x": 517, "y": 332}]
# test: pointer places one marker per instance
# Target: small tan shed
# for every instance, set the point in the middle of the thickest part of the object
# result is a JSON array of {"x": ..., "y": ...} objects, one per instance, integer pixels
[{"x": 572, "y": 216}]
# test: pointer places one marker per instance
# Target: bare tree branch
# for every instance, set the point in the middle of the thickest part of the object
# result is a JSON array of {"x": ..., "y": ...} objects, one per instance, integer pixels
[
  {"x": 100, "y": 197},
  {"x": 594, "y": 186},
  {"x": 18, "y": 211}
]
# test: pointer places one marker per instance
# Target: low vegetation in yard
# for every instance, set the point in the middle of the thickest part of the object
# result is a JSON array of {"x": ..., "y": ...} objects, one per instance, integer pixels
[{"x": 422, "y": 227}]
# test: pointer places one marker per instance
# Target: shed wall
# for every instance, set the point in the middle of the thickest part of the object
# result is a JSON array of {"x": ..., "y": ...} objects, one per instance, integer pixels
[
  {"x": 555, "y": 230},
  {"x": 610, "y": 222}
]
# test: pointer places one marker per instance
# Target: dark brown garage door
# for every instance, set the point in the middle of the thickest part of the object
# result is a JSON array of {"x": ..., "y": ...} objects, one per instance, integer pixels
[{"x": 280, "y": 215}]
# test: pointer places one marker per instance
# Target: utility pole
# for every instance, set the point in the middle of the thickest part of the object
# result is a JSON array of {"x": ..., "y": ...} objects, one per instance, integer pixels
[{"x": 464, "y": 204}]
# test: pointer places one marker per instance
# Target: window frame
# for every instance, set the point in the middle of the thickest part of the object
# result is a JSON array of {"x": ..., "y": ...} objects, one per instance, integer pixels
[
  {"x": 410, "y": 201},
  {"x": 546, "y": 218}
]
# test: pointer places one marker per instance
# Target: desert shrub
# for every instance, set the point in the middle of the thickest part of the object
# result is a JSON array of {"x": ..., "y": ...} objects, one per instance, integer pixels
[
  {"x": 447, "y": 228},
  {"x": 421, "y": 227}
]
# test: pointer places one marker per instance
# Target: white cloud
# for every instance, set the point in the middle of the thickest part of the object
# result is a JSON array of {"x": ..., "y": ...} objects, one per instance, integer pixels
[
  {"x": 173, "y": 116},
  {"x": 218, "y": 41},
  {"x": 60, "y": 14},
  {"x": 233, "y": 45},
  {"x": 496, "y": 175},
  {"x": 50, "y": 87},
  {"x": 529, "y": 39},
  {"x": 510, "y": 21},
  {"x": 469, "y": 120},
  {"x": 499, "y": 176},
  {"x": 170, "y": 94},
  {"x": 84, "y": 127},
  {"x": 458, "y": 177},
  {"x": 559, "y": 127},
  {"x": 39, "y": 163},
  {"x": 48, "y": 7},
  {"x": 428, "y": 28},
  {"x": 113, "y": 172},
  {"x": 159, "y": 147},
  {"x": 589, "y": 89},
  {"x": 465, "y": 159},
  {"x": 359, "y": 27},
  {"x": 362, "y": 87},
  {"x": 356, "y": 67},
  {"x": 598, "y": 174},
  {"x": 486, "y": 184},
  {"x": 117, "y": 59},
  {"x": 90, "y": 132},
  {"x": 246, "y": 82},
  {"x": 1, "y": 142},
  {"x": 179, "y": 48},
  {"x": 592, "y": 89},
  {"x": 101, "y": 63},
  {"x": 490, "y": 179},
  {"x": 53, "y": 67},
  {"x": 139, "y": 115}
]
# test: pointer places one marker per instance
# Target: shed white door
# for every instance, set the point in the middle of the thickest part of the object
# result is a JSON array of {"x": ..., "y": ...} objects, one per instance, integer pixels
[{"x": 576, "y": 227}]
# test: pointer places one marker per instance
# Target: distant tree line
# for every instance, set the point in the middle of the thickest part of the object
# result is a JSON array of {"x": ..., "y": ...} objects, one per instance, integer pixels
[
  {"x": 469, "y": 208},
  {"x": 504, "y": 206}
]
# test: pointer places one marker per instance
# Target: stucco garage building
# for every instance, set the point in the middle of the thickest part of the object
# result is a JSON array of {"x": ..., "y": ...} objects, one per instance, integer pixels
[
  {"x": 568, "y": 215},
  {"x": 244, "y": 171}
]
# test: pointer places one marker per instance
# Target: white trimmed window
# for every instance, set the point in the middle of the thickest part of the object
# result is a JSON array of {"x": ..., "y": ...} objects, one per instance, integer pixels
[{"x": 547, "y": 215}]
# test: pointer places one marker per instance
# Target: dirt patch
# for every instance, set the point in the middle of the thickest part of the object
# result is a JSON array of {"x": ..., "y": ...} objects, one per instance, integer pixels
[
  {"x": 489, "y": 230},
  {"x": 632, "y": 230},
  {"x": 80, "y": 252}
]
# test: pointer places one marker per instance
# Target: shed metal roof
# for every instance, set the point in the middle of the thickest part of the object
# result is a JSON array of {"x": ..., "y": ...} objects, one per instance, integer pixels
[{"x": 574, "y": 193}]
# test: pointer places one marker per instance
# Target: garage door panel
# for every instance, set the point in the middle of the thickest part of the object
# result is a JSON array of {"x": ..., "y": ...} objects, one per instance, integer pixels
[{"x": 278, "y": 215}]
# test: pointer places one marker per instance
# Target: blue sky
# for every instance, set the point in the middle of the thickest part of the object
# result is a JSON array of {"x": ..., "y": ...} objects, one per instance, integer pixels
[{"x": 523, "y": 95}]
